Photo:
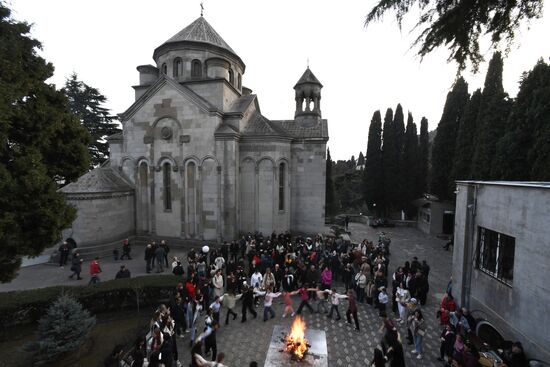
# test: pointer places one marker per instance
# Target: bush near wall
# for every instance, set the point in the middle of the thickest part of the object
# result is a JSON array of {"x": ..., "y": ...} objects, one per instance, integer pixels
[{"x": 28, "y": 306}]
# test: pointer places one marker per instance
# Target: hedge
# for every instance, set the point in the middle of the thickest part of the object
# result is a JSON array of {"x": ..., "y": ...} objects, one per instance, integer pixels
[{"x": 20, "y": 307}]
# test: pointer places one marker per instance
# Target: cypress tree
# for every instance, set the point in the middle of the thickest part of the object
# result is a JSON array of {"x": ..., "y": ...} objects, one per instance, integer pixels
[
  {"x": 491, "y": 122},
  {"x": 329, "y": 187},
  {"x": 443, "y": 152},
  {"x": 524, "y": 152},
  {"x": 390, "y": 161},
  {"x": 87, "y": 104},
  {"x": 424, "y": 153},
  {"x": 399, "y": 126},
  {"x": 373, "y": 173},
  {"x": 361, "y": 159},
  {"x": 411, "y": 164},
  {"x": 465, "y": 139}
]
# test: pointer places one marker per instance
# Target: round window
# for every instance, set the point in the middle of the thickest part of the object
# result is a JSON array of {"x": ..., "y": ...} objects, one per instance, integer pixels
[{"x": 166, "y": 133}]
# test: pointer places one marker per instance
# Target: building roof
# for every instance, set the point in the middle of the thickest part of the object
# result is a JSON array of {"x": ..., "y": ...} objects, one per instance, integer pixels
[
  {"x": 240, "y": 105},
  {"x": 308, "y": 77},
  {"x": 202, "y": 32},
  {"x": 532, "y": 184},
  {"x": 100, "y": 179},
  {"x": 260, "y": 125},
  {"x": 297, "y": 131}
]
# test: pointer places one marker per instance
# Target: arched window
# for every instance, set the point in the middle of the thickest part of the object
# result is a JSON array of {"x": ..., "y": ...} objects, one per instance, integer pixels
[
  {"x": 239, "y": 81},
  {"x": 178, "y": 67},
  {"x": 166, "y": 187},
  {"x": 164, "y": 69},
  {"x": 196, "y": 69},
  {"x": 231, "y": 78},
  {"x": 282, "y": 179}
]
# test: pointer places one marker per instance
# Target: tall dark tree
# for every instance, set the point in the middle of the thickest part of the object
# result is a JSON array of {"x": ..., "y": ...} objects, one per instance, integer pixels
[
  {"x": 329, "y": 187},
  {"x": 443, "y": 152},
  {"x": 524, "y": 152},
  {"x": 352, "y": 162},
  {"x": 458, "y": 25},
  {"x": 390, "y": 161},
  {"x": 399, "y": 127},
  {"x": 88, "y": 104},
  {"x": 411, "y": 165},
  {"x": 373, "y": 173},
  {"x": 465, "y": 139},
  {"x": 424, "y": 153},
  {"x": 41, "y": 144},
  {"x": 491, "y": 122}
]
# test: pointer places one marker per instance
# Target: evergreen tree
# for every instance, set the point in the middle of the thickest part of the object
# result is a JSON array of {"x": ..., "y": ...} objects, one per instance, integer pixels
[
  {"x": 390, "y": 161},
  {"x": 491, "y": 122},
  {"x": 41, "y": 145},
  {"x": 63, "y": 329},
  {"x": 400, "y": 183},
  {"x": 87, "y": 103},
  {"x": 443, "y": 152},
  {"x": 352, "y": 163},
  {"x": 373, "y": 173},
  {"x": 524, "y": 152},
  {"x": 465, "y": 139},
  {"x": 424, "y": 153},
  {"x": 361, "y": 159},
  {"x": 329, "y": 193},
  {"x": 411, "y": 165}
]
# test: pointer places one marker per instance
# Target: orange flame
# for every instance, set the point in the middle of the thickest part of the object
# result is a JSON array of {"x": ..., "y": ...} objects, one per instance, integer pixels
[{"x": 296, "y": 343}]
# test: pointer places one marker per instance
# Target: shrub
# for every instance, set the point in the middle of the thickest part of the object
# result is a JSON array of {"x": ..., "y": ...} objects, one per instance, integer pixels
[
  {"x": 63, "y": 329},
  {"x": 28, "y": 306}
]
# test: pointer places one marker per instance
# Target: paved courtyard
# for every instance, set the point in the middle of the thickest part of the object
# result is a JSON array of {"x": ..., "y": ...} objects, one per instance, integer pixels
[{"x": 247, "y": 342}]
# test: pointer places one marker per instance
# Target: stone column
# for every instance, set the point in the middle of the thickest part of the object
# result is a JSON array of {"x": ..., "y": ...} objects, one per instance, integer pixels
[
  {"x": 182, "y": 202},
  {"x": 220, "y": 225},
  {"x": 198, "y": 204},
  {"x": 256, "y": 196},
  {"x": 152, "y": 201}
]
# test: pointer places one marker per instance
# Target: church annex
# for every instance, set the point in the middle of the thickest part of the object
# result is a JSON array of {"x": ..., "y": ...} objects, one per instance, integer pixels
[{"x": 197, "y": 159}]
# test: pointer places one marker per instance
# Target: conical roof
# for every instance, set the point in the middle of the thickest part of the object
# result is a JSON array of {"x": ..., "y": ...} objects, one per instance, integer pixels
[
  {"x": 308, "y": 78},
  {"x": 201, "y": 31}
]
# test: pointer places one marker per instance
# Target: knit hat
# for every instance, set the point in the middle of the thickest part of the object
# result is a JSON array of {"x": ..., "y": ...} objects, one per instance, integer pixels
[{"x": 413, "y": 300}]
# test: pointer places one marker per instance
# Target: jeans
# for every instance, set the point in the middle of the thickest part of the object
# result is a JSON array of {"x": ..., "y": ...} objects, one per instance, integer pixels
[
  {"x": 334, "y": 308},
  {"x": 94, "y": 279},
  {"x": 360, "y": 294},
  {"x": 268, "y": 309},
  {"x": 418, "y": 343}
]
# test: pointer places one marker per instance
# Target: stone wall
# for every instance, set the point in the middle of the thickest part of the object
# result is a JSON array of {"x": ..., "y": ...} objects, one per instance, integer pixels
[
  {"x": 308, "y": 179},
  {"x": 519, "y": 311},
  {"x": 101, "y": 218}
]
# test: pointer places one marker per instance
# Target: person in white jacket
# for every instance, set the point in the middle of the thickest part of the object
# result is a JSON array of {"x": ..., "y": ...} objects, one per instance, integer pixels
[
  {"x": 204, "y": 363},
  {"x": 217, "y": 282},
  {"x": 268, "y": 301},
  {"x": 256, "y": 279},
  {"x": 402, "y": 297},
  {"x": 334, "y": 302}
]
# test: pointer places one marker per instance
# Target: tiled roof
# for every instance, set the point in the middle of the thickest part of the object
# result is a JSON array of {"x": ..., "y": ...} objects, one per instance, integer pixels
[
  {"x": 259, "y": 125},
  {"x": 308, "y": 77},
  {"x": 241, "y": 104},
  {"x": 295, "y": 130},
  {"x": 201, "y": 31},
  {"x": 101, "y": 179}
]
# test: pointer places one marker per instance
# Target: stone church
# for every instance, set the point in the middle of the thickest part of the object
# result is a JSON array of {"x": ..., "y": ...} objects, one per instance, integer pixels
[{"x": 196, "y": 158}]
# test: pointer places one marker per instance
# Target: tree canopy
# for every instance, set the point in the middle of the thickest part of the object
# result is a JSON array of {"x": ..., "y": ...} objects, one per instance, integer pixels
[
  {"x": 459, "y": 25},
  {"x": 42, "y": 145},
  {"x": 87, "y": 103}
]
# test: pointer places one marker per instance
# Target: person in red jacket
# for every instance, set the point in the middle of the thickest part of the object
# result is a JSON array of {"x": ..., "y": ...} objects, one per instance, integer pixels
[
  {"x": 95, "y": 269},
  {"x": 447, "y": 306}
]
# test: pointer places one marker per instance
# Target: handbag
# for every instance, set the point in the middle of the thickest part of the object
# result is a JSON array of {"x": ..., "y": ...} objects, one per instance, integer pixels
[{"x": 421, "y": 332}]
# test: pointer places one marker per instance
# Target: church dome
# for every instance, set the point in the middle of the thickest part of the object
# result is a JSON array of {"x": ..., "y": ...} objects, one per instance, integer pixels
[{"x": 199, "y": 33}]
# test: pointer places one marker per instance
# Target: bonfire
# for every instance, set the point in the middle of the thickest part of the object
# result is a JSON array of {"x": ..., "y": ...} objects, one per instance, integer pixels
[{"x": 296, "y": 343}]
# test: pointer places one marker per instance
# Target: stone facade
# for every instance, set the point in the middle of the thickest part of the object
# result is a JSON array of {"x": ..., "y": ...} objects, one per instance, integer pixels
[
  {"x": 514, "y": 294},
  {"x": 202, "y": 160}
]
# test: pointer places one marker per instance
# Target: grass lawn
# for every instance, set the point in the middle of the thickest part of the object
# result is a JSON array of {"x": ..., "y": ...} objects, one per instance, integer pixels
[{"x": 111, "y": 329}]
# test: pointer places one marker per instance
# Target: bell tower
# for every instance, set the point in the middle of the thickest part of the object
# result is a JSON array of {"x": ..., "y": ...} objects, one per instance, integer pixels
[{"x": 308, "y": 99}]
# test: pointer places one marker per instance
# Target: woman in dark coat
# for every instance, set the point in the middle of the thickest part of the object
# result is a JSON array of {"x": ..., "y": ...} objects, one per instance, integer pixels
[{"x": 76, "y": 266}]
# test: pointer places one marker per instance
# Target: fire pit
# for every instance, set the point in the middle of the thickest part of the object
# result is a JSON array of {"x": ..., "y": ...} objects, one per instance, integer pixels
[
  {"x": 295, "y": 342},
  {"x": 297, "y": 346}
]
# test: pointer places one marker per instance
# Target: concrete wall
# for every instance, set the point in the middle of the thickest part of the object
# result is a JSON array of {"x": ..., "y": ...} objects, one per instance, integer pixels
[
  {"x": 520, "y": 311},
  {"x": 308, "y": 171},
  {"x": 101, "y": 218}
]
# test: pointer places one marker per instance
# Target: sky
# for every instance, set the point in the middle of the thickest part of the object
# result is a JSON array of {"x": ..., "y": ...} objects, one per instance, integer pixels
[{"x": 362, "y": 69}]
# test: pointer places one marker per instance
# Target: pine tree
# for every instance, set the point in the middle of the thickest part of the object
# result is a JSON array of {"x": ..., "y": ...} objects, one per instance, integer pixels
[
  {"x": 524, "y": 152},
  {"x": 390, "y": 161},
  {"x": 87, "y": 103},
  {"x": 424, "y": 153},
  {"x": 63, "y": 329},
  {"x": 41, "y": 145},
  {"x": 491, "y": 122},
  {"x": 373, "y": 173},
  {"x": 352, "y": 163},
  {"x": 443, "y": 152},
  {"x": 411, "y": 164},
  {"x": 465, "y": 139},
  {"x": 329, "y": 193}
]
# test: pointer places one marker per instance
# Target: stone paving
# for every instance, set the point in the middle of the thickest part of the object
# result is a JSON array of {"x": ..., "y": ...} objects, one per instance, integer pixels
[{"x": 247, "y": 342}]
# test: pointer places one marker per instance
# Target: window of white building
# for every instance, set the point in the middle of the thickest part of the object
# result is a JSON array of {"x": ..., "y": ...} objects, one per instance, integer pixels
[{"x": 495, "y": 254}]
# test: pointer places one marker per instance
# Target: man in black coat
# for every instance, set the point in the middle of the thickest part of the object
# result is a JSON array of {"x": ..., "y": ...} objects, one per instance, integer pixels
[
  {"x": 248, "y": 302},
  {"x": 279, "y": 274}
]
